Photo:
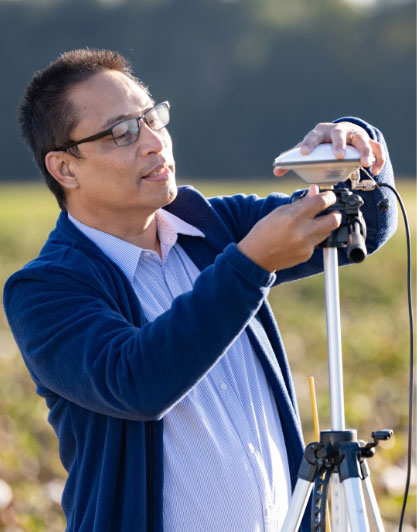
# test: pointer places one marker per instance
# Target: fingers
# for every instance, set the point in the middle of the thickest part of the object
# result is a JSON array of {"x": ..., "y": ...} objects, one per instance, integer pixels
[
  {"x": 313, "y": 190},
  {"x": 316, "y": 136},
  {"x": 339, "y": 135},
  {"x": 279, "y": 173},
  {"x": 371, "y": 152},
  {"x": 361, "y": 141},
  {"x": 310, "y": 228},
  {"x": 312, "y": 205},
  {"x": 315, "y": 202},
  {"x": 320, "y": 227},
  {"x": 324, "y": 225},
  {"x": 379, "y": 155}
]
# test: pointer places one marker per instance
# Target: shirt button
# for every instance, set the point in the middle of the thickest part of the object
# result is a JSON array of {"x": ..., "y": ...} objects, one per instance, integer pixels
[
  {"x": 146, "y": 254},
  {"x": 224, "y": 386},
  {"x": 251, "y": 447}
]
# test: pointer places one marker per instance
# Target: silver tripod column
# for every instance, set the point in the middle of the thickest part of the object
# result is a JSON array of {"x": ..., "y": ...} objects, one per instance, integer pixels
[
  {"x": 334, "y": 343},
  {"x": 349, "y": 497},
  {"x": 334, "y": 347}
]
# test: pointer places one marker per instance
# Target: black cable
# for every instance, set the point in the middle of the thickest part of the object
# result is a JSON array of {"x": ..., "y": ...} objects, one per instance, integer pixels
[{"x": 411, "y": 379}]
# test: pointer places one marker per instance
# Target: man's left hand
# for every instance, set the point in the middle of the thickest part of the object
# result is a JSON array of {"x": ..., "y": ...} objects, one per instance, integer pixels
[{"x": 339, "y": 135}]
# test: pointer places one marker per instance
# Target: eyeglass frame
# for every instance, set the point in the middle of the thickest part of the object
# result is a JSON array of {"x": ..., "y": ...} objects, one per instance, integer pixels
[{"x": 109, "y": 131}]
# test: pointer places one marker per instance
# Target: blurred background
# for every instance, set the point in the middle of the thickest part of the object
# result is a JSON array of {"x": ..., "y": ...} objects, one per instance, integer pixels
[
  {"x": 244, "y": 77},
  {"x": 246, "y": 80}
]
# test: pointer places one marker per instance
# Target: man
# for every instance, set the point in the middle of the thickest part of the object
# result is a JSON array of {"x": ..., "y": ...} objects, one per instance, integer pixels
[{"x": 144, "y": 321}]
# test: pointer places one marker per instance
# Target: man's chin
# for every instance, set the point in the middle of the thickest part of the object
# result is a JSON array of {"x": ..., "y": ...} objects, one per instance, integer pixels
[{"x": 172, "y": 193}]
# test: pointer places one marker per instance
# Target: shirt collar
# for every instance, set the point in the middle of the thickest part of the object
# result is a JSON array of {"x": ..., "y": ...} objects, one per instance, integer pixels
[{"x": 127, "y": 255}]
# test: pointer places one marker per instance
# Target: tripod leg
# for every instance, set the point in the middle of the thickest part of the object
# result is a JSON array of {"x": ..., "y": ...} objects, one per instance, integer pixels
[
  {"x": 338, "y": 514},
  {"x": 355, "y": 504},
  {"x": 297, "y": 505},
  {"x": 373, "y": 504}
]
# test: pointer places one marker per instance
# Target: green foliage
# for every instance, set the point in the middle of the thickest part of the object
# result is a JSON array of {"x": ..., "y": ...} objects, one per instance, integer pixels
[{"x": 375, "y": 347}]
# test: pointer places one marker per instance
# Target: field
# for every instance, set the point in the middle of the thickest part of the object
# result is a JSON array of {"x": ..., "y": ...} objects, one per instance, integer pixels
[{"x": 375, "y": 352}]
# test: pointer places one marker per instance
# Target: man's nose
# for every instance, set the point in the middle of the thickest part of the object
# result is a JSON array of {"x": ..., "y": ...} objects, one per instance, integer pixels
[{"x": 150, "y": 141}]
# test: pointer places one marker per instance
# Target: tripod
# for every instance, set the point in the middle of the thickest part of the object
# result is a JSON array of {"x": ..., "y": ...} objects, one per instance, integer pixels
[{"x": 338, "y": 458}]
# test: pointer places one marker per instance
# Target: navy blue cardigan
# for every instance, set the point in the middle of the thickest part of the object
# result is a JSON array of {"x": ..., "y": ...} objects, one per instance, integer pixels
[{"x": 108, "y": 376}]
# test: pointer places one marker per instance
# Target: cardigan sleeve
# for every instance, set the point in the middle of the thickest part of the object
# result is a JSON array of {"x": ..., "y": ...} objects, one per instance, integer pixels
[{"x": 78, "y": 345}]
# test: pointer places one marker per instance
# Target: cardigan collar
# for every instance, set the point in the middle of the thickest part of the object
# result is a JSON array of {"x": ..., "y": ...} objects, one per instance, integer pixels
[{"x": 189, "y": 205}]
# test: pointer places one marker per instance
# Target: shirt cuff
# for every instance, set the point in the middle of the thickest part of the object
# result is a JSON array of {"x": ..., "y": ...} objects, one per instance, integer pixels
[{"x": 249, "y": 268}]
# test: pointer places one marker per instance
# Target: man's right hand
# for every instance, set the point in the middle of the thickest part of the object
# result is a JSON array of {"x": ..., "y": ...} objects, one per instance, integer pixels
[{"x": 288, "y": 235}]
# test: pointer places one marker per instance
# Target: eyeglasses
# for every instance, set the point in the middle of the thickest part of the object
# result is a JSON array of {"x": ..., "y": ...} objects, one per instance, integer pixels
[{"x": 127, "y": 131}]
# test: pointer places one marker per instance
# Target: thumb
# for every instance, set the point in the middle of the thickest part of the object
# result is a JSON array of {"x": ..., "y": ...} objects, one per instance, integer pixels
[{"x": 313, "y": 190}]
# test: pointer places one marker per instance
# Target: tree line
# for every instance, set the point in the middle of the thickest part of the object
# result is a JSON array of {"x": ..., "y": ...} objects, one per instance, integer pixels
[{"x": 245, "y": 78}]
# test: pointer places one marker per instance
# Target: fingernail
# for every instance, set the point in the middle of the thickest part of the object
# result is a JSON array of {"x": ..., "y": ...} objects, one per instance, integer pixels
[
  {"x": 340, "y": 152},
  {"x": 305, "y": 149}
]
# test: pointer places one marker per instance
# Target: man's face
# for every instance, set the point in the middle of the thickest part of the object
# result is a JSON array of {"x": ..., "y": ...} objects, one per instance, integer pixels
[{"x": 118, "y": 181}]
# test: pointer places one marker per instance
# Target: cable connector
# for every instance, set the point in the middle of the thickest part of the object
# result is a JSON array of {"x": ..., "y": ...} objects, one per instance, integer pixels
[{"x": 366, "y": 184}]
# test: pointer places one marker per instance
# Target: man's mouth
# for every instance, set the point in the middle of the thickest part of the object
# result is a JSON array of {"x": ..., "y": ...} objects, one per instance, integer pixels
[{"x": 159, "y": 173}]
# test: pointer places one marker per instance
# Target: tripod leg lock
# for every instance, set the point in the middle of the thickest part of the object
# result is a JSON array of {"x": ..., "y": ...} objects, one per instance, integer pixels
[
  {"x": 350, "y": 465},
  {"x": 313, "y": 459}
]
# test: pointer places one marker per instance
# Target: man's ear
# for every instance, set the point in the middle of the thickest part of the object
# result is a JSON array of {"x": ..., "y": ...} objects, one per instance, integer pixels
[{"x": 60, "y": 165}]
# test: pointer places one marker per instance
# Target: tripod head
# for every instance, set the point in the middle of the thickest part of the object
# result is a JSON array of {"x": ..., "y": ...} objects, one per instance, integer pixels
[{"x": 352, "y": 231}]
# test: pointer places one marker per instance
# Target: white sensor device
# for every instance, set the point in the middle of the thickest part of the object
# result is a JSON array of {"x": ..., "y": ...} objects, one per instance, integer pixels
[{"x": 320, "y": 167}]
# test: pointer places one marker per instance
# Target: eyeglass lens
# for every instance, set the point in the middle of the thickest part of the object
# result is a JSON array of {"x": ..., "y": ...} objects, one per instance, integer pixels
[{"x": 127, "y": 131}]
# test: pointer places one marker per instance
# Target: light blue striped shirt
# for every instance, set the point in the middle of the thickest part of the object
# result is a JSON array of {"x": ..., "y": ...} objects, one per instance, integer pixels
[{"x": 225, "y": 462}]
